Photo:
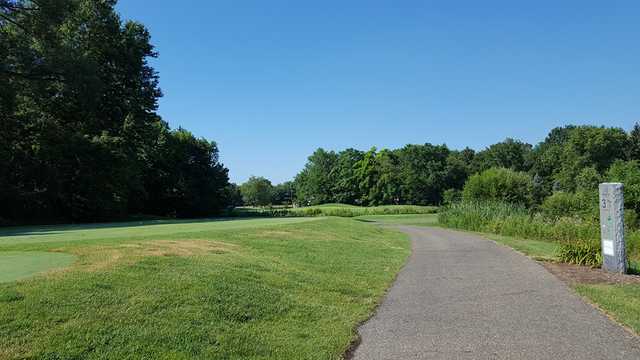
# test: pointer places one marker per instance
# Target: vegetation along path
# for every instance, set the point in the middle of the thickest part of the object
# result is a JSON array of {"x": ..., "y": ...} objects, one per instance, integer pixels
[{"x": 463, "y": 297}]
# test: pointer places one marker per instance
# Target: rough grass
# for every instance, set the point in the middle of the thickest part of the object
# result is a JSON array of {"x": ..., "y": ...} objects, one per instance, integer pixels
[
  {"x": 263, "y": 290},
  {"x": 515, "y": 221}
]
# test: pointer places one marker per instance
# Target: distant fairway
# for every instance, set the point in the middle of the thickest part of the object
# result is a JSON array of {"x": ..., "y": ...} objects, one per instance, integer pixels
[{"x": 285, "y": 288}]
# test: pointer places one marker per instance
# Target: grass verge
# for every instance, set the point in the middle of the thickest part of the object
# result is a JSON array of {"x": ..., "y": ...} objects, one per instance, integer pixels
[
  {"x": 622, "y": 302},
  {"x": 249, "y": 290}
]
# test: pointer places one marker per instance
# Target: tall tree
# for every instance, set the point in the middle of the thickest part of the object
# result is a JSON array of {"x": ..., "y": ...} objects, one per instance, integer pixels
[
  {"x": 80, "y": 134},
  {"x": 633, "y": 152},
  {"x": 510, "y": 153},
  {"x": 346, "y": 189},
  {"x": 257, "y": 191},
  {"x": 315, "y": 183}
]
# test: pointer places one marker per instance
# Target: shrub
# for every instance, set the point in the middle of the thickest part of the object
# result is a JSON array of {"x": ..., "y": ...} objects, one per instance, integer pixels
[
  {"x": 499, "y": 184},
  {"x": 563, "y": 204},
  {"x": 451, "y": 196},
  {"x": 581, "y": 253},
  {"x": 631, "y": 219},
  {"x": 334, "y": 210}
]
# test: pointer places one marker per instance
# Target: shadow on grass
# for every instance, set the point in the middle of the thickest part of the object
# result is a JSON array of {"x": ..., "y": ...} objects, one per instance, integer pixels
[
  {"x": 36, "y": 230},
  {"x": 365, "y": 220}
]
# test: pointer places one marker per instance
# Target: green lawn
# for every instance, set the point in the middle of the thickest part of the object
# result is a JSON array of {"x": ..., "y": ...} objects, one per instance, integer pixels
[
  {"x": 622, "y": 302},
  {"x": 245, "y": 289},
  {"x": 15, "y": 265},
  {"x": 539, "y": 250}
]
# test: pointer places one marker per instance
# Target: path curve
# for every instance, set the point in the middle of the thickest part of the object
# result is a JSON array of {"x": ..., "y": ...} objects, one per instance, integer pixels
[{"x": 464, "y": 297}]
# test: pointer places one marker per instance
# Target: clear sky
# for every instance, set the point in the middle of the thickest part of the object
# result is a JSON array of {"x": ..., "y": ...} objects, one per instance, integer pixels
[{"x": 270, "y": 81}]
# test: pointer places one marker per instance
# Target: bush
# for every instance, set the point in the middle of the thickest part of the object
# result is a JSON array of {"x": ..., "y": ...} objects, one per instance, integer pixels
[
  {"x": 451, "y": 196},
  {"x": 498, "y": 184},
  {"x": 631, "y": 219},
  {"x": 563, "y": 204},
  {"x": 334, "y": 210},
  {"x": 581, "y": 253}
]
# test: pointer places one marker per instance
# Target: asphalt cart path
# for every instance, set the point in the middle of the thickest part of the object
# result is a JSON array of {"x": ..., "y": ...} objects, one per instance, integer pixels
[{"x": 464, "y": 297}]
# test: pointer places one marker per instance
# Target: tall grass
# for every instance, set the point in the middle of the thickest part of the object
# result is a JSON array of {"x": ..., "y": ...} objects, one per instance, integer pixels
[
  {"x": 335, "y": 210},
  {"x": 580, "y": 238}
]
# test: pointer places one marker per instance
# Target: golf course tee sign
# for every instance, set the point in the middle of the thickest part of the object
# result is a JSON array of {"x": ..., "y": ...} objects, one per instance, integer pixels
[{"x": 612, "y": 227}]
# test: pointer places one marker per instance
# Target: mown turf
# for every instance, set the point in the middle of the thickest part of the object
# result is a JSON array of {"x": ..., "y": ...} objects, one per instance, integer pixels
[
  {"x": 539, "y": 250},
  {"x": 622, "y": 302},
  {"x": 15, "y": 265},
  {"x": 259, "y": 291}
]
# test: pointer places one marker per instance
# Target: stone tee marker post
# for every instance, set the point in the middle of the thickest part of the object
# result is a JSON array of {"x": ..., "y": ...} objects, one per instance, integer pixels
[{"x": 614, "y": 254}]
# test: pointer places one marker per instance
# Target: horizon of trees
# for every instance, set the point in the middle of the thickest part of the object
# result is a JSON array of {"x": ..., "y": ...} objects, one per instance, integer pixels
[
  {"x": 80, "y": 138},
  {"x": 570, "y": 159}
]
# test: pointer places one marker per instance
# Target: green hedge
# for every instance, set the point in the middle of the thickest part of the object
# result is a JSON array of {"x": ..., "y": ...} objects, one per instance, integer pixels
[{"x": 335, "y": 210}]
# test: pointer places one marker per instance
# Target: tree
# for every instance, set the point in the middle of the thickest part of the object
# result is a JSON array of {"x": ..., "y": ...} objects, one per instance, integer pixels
[
  {"x": 346, "y": 188},
  {"x": 80, "y": 139},
  {"x": 633, "y": 151},
  {"x": 233, "y": 195},
  {"x": 423, "y": 170},
  {"x": 315, "y": 183},
  {"x": 388, "y": 188},
  {"x": 510, "y": 154},
  {"x": 283, "y": 194},
  {"x": 567, "y": 151},
  {"x": 257, "y": 191},
  {"x": 628, "y": 173}
]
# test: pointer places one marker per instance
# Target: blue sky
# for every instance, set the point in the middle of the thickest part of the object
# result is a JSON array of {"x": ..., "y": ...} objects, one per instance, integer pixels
[{"x": 271, "y": 81}]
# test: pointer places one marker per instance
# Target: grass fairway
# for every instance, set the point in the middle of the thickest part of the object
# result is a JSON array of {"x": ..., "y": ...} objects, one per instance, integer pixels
[{"x": 245, "y": 289}]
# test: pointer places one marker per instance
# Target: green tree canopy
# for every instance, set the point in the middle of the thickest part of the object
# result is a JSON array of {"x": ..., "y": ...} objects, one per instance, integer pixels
[
  {"x": 510, "y": 154},
  {"x": 257, "y": 191},
  {"x": 80, "y": 139}
]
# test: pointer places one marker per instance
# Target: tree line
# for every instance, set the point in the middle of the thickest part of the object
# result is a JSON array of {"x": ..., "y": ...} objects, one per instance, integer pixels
[
  {"x": 80, "y": 138},
  {"x": 571, "y": 160}
]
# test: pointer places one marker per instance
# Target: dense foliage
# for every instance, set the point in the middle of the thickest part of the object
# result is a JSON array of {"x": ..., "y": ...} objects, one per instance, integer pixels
[
  {"x": 572, "y": 159},
  {"x": 499, "y": 184},
  {"x": 415, "y": 174},
  {"x": 578, "y": 238},
  {"x": 80, "y": 139}
]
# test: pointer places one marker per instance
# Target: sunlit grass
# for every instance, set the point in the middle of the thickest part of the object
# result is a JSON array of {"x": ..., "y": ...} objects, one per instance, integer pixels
[{"x": 260, "y": 290}]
